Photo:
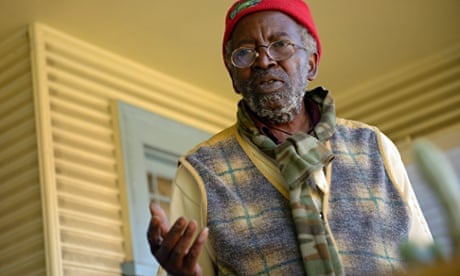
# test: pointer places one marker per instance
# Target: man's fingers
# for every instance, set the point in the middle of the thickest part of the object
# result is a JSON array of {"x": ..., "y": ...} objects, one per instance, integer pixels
[
  {"x": 191, "y": 259},
  {"x": 171, "y": 238},
  {"x": 183, "y": 244},
  {"x": 158, "y": 226},
  {"x": 154, "y": 234},
  {"x": 158, "y": 212},
  {"x": 174, "y": 248}
]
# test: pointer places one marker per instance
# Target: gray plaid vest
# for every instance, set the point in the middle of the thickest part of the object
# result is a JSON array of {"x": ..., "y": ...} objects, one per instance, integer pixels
[{"x": 250, "y": 224}]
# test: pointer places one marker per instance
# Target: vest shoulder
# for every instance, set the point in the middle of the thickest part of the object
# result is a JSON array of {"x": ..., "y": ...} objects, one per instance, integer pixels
[
  {"x": 352, "y": 124},
  {"x": 218, "y": 137}
]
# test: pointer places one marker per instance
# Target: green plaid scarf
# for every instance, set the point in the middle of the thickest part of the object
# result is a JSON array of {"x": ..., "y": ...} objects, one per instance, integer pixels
[{"x": 298, "y": 158}]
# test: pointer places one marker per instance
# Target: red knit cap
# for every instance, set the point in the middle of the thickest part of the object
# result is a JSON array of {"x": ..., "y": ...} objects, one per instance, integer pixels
[{"x": 296, "y": 9}]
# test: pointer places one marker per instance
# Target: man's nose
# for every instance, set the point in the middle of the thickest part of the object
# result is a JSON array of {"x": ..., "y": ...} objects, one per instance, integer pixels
[{"x": 263, "y": 59}]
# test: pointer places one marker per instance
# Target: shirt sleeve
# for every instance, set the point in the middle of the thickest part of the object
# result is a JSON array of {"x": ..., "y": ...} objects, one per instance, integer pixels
[
  {"x": 419, "y": 232},
  {"x": 186, "y": 201}
]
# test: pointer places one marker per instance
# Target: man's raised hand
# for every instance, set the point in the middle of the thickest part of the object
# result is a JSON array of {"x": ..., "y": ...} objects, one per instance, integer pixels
[{"x": 174, "y": 247}]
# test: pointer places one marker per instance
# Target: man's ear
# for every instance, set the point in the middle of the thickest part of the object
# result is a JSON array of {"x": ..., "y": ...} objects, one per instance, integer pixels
[
  {"x": 313, "y": 62},
  {"x": 230, "y": 73},
  {"x": 234, "y": 88}
]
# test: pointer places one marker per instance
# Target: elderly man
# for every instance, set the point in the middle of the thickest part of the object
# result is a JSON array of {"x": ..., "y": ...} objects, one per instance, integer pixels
[{"x": 289, "y": 189}]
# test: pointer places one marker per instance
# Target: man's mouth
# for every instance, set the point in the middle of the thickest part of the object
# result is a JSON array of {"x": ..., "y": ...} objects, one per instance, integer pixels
[
  {"x": 267, "y": 82},
  {"x": 268, "y": 85}
]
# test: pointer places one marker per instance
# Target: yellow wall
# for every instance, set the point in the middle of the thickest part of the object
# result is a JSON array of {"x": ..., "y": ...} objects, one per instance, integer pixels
[
  {"x": 61, "y": 187},
  {"x": 63, "y": 126},
  {"x": 22, "y": 247}
]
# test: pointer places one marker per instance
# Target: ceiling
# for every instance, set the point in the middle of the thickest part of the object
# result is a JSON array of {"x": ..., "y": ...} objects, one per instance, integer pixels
[{"x": 362, "y": 40}]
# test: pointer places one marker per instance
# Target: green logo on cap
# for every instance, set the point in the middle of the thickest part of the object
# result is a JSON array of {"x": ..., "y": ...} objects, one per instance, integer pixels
[{"x": 243, "y": 5}]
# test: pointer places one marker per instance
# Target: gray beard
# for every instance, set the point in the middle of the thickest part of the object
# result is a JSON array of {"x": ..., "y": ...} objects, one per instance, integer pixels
[
  {"x": 279, "y": 107},
  {"x": 290, "y": 103}
]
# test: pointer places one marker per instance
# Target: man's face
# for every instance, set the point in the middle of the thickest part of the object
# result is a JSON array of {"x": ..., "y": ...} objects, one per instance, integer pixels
[{"x": 273, "y": 90}]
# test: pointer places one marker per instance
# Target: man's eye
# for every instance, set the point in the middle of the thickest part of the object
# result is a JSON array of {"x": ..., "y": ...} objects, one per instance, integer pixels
[
  {"x": 244, "y": 51},
  {"x": 280, "y": 44}
]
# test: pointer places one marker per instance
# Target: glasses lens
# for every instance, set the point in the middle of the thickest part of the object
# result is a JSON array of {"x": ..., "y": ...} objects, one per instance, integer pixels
[
  {"x": 281, "y": 50},
  {"x": 243, "y": 57}
]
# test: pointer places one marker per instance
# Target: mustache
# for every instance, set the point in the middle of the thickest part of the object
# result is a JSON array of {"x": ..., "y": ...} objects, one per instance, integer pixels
[{"x": 273, "y": 73}]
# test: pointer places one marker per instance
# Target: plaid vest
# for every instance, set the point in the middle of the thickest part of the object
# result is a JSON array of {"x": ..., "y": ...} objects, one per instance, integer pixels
[{"x": 250, "y": 223}]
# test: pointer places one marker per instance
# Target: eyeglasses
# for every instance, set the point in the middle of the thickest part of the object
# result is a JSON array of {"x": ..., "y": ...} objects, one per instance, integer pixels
[{"x": 244, "y": 57}]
